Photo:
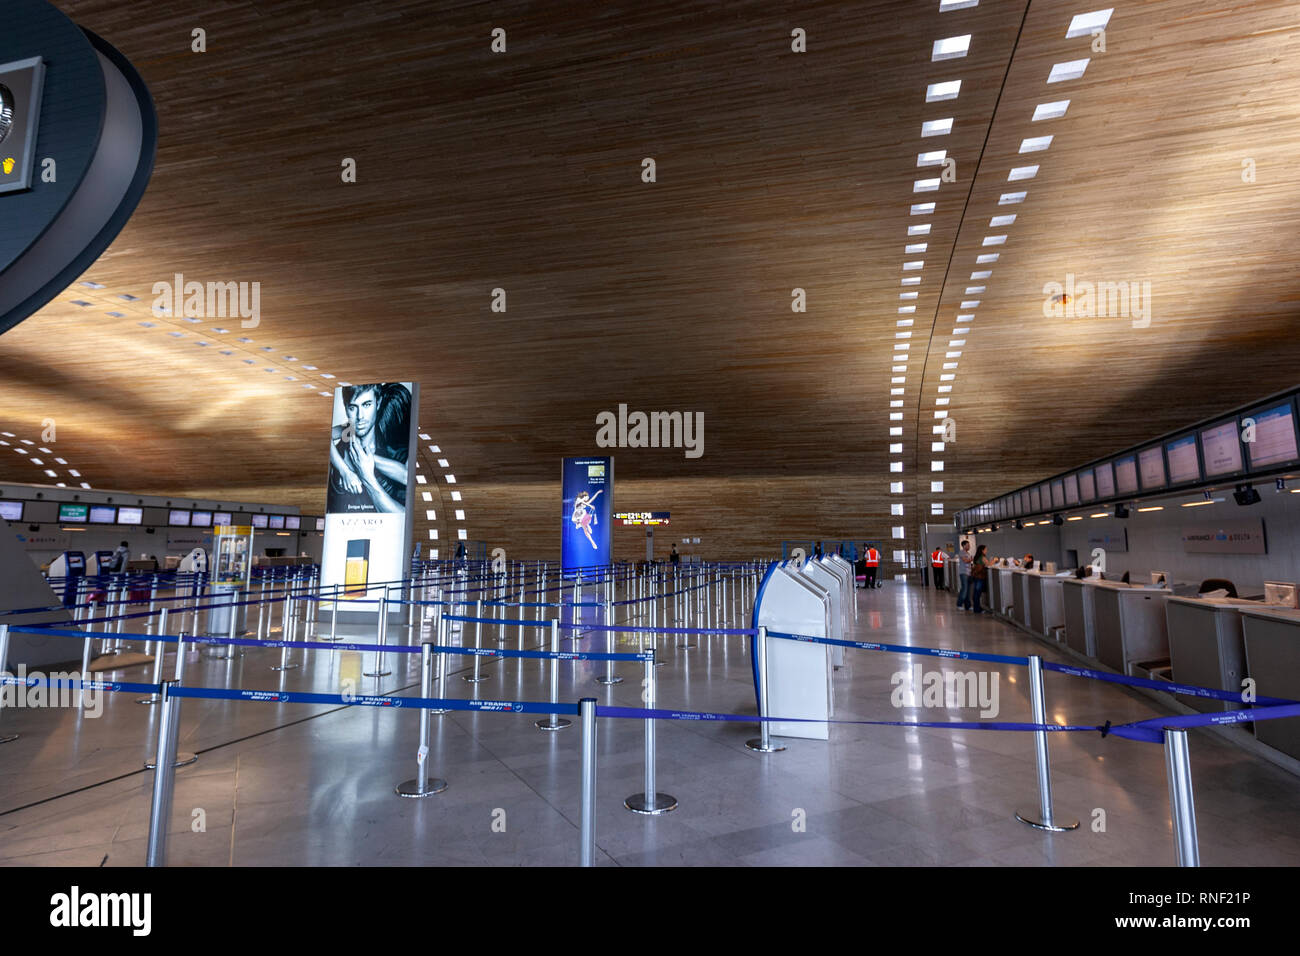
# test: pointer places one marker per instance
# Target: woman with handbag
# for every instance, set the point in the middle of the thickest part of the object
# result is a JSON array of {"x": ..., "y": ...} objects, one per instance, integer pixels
[{"x": 979, "y": 575}]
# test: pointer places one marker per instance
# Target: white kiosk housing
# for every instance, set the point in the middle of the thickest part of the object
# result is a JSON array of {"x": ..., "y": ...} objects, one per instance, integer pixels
[
  {"x": 823, "y": 573},
  {"x": 798, "y": 673}
]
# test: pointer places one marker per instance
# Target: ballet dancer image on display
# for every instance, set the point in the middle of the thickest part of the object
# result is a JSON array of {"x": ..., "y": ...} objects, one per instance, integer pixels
[
  {"x": 584, "y": 514},
  {"x": 368, "y": 461}
]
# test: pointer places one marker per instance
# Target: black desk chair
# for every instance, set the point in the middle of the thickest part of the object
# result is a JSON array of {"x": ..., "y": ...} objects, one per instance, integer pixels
[{"x": 1218, "y": 584}]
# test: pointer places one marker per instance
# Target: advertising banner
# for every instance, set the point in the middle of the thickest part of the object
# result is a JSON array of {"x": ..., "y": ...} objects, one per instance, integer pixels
[
  {"x": 368, "y": 510},
  {"x": 1226, "y": 537},
  {"x": 588, "y": 490}
]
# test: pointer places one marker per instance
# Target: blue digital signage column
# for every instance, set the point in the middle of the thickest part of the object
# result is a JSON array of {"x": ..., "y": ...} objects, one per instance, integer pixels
[{"x": 588, "y": 490}]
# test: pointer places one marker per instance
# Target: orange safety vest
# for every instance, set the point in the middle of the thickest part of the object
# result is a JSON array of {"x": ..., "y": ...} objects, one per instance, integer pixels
[
  {"x": 873, "y": 557},
  {"x": 937, "y": 558}
]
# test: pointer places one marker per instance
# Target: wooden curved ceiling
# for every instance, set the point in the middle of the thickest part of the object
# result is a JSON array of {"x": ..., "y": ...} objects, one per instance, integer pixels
[{"x": 775, "y": 170}]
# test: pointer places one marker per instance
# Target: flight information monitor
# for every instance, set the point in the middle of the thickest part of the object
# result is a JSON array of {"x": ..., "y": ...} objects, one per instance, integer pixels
[
  {"x": 1058, "y": 493},
  {"x": 201, "y": 519},
  {"x": 178, "y": 519},
  {"x": 1071, "y": 489},
  {"x": 1087, "y": 485},
  {"x": 130, "y": 515},
  {"x": 1184, "y": 465},
  {"x": 1105, "y": 480},
  {"x": 1275, "y": 436},
  {"x": 103, "y": 514},
  {"x": 1151, "y": 467},
  {"x": 1035, "y": 500},
  {"x": 73, "y": 513},
  {"x": 276, "y": 521},
  {"x": 1024, "y": 502},
  {"x": 259, "y": 521},
  {"x": 222, "y": 518},
  {"x": 11, "y": 511},
  {"x": 292, "y": 522},
  {"x": 1126, "y": 475},
  {"x": 1221, "y": 449}
]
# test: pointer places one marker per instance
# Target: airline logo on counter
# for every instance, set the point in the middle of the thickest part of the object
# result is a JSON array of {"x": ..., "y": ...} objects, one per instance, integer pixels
[{"x": 21, "y": 85}]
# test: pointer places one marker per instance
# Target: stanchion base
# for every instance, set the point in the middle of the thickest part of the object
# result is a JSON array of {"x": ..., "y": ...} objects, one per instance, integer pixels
[
  {"x": 602, "y": 679},
  {"x": 149, "y": 700},
  {"x": 286, "y": 667},
  {"x": 471, "y": 679},
  {"x": 687, "y": 647},
  {"x": 182, "y": 760},
  {"x": 556, "y": 723},
  {"x": 411, "y": 788},
  {"x": 375, "y": 673},
  {"x": 8, "y": 738},
  {"x": 771, "y": 748},
  {"x": 1031, "y": 817},
  {"x": 662, "y": 803}
]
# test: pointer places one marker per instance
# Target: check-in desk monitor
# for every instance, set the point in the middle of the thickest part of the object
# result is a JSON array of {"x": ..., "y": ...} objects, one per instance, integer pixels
[{"x": 799, "y": 673}]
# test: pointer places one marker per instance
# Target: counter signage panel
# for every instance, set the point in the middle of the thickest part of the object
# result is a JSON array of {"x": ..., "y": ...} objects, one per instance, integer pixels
[
  {"x": 73, "y": 514},
  {"x": 1105, "y": 480},
  {"x": 1221, "y": 449},
  {"x": 1274, "y": 436},
  {"x": 1126, "y": 475},
  {"x": 1184, "y": 466},
  {"x": 1087, "y": 485},
  {"x": 1151, "y": 467}
]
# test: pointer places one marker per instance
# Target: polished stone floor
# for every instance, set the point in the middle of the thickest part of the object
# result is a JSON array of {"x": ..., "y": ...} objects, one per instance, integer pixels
[{"x": 293, "y": 784}]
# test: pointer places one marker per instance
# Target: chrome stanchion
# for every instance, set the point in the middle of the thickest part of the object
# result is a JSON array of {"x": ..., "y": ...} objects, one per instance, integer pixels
[
  {"x": 184, "y": 758},
  {"x": 650, "y": 801},
  {"x": 159, "y": 648},
  {"x": 763, "y": 743},
  {"x": 422, "y": 786},
  {"x": 555, "y": 721},
  {"x": 381, "y": 638},
  {"x": 4, "y": 669},
  {"x": 87, "y": 645},
  {"x": 440, "y": 629},
  {"x": 261, "y": 608},
  {"x": 609, "y": 677},
  {"x": 1181, "y": 805},
  {"x": 164, "y": 778},
  {"x": 587, "y": 849},
  {"x": 477, "y": 676},
  {"x": 1044, "y": 819},
  {"x": 334, "y": 615}
]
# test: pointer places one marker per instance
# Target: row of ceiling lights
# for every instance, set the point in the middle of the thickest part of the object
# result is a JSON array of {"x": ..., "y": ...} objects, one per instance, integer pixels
[{"x": 22, "y": 446}]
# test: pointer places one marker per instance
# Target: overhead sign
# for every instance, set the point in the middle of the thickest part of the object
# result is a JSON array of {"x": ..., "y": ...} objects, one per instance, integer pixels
[
  {"x": 641, "y": 517},
  {"x": 1226, "y": 537},
  {"x": 21, "y": 85}
]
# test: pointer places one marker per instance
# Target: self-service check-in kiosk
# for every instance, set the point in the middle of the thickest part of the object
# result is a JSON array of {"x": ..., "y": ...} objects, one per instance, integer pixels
[
  {"x": 820, "y": 571},
  {"x": 100, "y": 563},
  {"x": 67, "y": 571},
  {"x": 798, "y": 673},
  {"x": 232, "y": 555}
]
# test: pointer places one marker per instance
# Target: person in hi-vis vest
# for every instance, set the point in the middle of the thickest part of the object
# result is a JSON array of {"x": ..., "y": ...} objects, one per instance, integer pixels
[
  {"x": 870, "y": 562},
  {"x": 936, "y": 567}
]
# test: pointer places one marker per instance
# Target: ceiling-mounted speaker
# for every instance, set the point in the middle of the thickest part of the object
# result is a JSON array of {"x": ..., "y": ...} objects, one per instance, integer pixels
[{"x": 1246, "y": 495}]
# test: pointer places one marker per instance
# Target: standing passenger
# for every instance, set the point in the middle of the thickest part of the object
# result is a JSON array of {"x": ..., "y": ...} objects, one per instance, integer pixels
[{"x": 963, "y": 576}]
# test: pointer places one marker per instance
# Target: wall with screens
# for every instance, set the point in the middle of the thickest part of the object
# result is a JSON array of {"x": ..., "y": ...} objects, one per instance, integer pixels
[
  {"x": 1184, "y": 463},
  {"x": 1151, "y": 468},
  {"x": 1273, "y": 441}
]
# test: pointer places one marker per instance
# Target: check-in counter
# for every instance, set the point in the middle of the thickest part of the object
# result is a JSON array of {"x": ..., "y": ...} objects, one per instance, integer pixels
[
  {"x": 1052, "y": 602},
  {"x": 1272, "y": 640},
  {"x": 1129, "y": 623},
  {"x": 1021, "y": 611},
  {"x": 1002, "y": 592},
  {"x": 1206, "y": 646},
  {"x": 1076, "y": 598}
]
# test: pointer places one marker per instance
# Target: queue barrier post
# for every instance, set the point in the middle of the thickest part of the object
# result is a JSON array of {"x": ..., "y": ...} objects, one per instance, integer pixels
[
  {"x": 477, "y": 676},
  {"x": 4, "y": 669},
  {"x": 554, "y": 721},
  {"x": 422, "y": 786},
  {"x": 381, "y": 637},
  {"x": 763, "y": 743},
  {"x": 164, "y": 778},
  {"x": 1044, "y": 819},
  {"x": 587, "y": 713},
  {"x": 1182, "y": 807},
  {"x": 609, "y": 677},
  {"x": 650, "y": 801},
  {"x": 159, "y": 648}
]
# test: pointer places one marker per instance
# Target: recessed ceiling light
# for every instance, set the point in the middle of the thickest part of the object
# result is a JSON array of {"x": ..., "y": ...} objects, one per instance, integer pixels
[
  {"x": 908, "y": 295},
  {"x": 939, "y": 127},
  {"x": 995, "y": 240},
  {"x": 219, "y": 331},
  {"x": 177, "y": 335},
  {"x": 982, "y": 275},
  {"x": 1034, "y": 144},
  {"x": 950, "y": 48},
  {"x": 998, "y": 222},
  {"x": 956, "y": 354},
  {"x": 1022, "y": 172},
  {"x": 74, "y": 473},
  {"x": 975, "y": 289},
  {"x": 923, "y": 230},
  {"x": 906, "y": 310},
  {"x": 970, "y": 303},
  {"x": 922, "y": 208},
  {"x": 933, "y": 158},
  {"x": 913, "y": 248},
  {"x": 146, "y": 325},
  {"x": 128, "y": 298},
  {"x": 1046, "y": 111},
  {"x": 1071, "y": 70},
  {"x": 952, "y": 343},
  {"x": 1007, "y": 199},
  {"x": 911, "y": 280},
  {"x": 267, "y": 348},
  {"x": 950, "y": 365},
  {"x": 987, "y": 258},
  {"x": 946, "y": 6},
  {"x": 326, "y": 375},
  {"x": 227, "y": 351},
  {"x": 925, "y": 186},
  {"x": 911, "y": 266},
  {"x": 965, "y": 317},
  {"x": 250, "y": 361},
  {"x": 116, "y": 315},
  {"x": 904, "y": 323},
  {"x": 309, "y": 368},
  {"x": 92, "y": 285},
  {"x": 1084, "y": 24},
  {"x": 937, "y": 92},
  {"x": 345, "y": 384},
  {"x": 902, "y": 335},
  {"x": 81, "y": 302},
  {"x": 188, "y": 318}
]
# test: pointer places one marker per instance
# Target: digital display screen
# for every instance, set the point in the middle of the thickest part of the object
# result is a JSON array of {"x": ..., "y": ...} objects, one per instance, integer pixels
[
  {"x": 1087, "y": 485},
  {"x": 1071, "y": 489},
  {"x": 178, "y": 519},
  {"x": 200, "y": 519},
  {"x": 73, "y": 513},
  {"x": 292, "y": 522},
  {"x": 1035, "y": 499},
  {"x": 259, "y": 521},
  {"x": 1024, "y": 502},
  {"x": 1275, "y": 438},
  {"x": 11, "y": 511},
  {"x": 1058, "y": 493},
  {"x": 222, "y": 517},
  {"x": 276, "y": 521},
  {"x": 103, "y": 514},
  {"x": 1183, "y": 464},
  {"x": 320, "y": 524},
  {"x": 1126, "y": 475},
  {"x": 1105, "y": 481},
  {"x": 1045, "y": 496},
  {"x": 1221, "y": 449},
  {"x": 1151, "y": 467},
  {"x": 130, "y": 515}
]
